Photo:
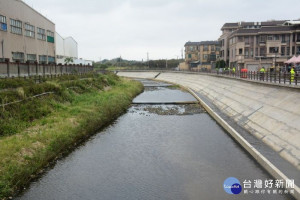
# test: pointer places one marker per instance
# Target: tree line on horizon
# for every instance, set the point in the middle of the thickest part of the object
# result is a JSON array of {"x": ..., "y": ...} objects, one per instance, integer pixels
[{"x": 119, "y": 62}]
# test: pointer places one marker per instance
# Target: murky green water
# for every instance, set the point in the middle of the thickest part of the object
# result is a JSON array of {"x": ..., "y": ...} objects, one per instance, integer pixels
[{"x": 152, "y": 152}]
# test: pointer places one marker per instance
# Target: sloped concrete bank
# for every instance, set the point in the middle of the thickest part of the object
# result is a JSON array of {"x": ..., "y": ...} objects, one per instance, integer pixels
[{"x": 270, "y": 113}]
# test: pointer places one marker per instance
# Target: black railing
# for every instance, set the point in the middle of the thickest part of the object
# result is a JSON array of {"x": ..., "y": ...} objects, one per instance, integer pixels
[{"x": 271, "y": 77}]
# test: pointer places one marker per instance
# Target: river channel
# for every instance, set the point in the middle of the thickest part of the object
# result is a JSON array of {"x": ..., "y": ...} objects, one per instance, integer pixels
[{"x": 153, "y": 151}]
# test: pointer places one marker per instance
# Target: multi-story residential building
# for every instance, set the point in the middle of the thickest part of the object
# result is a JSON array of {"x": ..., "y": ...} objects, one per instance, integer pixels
[
  {"x": 227, "y": 29},
  {"x": 203, "y": 53},
  {"x": 25, "y": 34},
  {"x": 263, "y": 44},
  {"x": 192, "y": 52}
]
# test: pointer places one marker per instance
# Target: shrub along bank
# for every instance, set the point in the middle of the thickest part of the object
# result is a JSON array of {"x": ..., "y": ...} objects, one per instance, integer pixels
[{"x": 36, "y": 130}]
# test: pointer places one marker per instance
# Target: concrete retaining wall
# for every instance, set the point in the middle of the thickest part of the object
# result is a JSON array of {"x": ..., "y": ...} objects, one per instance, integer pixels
[{"x": 270, "y": 113}]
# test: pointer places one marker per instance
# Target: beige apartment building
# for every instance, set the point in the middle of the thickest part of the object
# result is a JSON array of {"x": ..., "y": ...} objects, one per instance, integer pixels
[
  {"x": 253, "y": 45},
  {"x": 25, "y": 34},
  {"x": 202, "y": 54}
]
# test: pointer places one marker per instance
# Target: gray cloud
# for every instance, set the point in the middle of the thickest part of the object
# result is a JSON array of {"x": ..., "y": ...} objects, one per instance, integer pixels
[{"x": 131, "y": 28}]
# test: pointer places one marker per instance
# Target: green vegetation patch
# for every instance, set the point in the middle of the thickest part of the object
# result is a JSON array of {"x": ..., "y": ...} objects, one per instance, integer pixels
[
  {"x": 37, "y": 130},
  {"x": 24, "y": 101}
]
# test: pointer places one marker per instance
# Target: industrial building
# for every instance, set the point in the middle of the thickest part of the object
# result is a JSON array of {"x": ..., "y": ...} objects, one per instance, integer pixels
[
  {"x": 25, "y": 34},
  {"x": 66, "y": 48}
]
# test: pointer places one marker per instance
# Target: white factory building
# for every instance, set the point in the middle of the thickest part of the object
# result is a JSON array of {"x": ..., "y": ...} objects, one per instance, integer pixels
[
  {"x": 65, "y": 48},
  {"x": 68, "y": 48}
]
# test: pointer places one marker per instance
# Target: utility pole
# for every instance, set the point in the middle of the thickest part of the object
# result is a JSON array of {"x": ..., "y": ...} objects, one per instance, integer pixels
[
  {"x": 166, "y": 63},
  {"x": 148, "y": 59}
]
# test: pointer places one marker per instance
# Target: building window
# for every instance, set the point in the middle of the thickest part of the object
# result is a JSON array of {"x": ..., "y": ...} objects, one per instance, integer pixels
[
  {"x": 283, "y": 51},
  {"x": 240, "y": 39},
  {"x": 50, "y": 36},
  {"x": 41, "y": 34},
  {"x": 270, "y": 37},
  {"x": 298, "y": 50},
  {"x": 262, "y": 39},
  {"x": 18, "y": 56},
  {"x": 29, "y": 30},
  {"x": 251, "y": 52},
  {"x": 42, "y": 59},
  {"x": 298, "y": 37},
  {"x": 246, "y": 52},
  {"x": 31, "y": 57},
  {"x": 283, "y": 38},
  {"x": 190, "y": 56},
  {"x": 51, "y": 59},
  {"x": 16, "y": 26},
  {"x": 293, "y": 36},
  {"x": 205, "y": 56},
  {"x": 3, "y": 24},
  {"x": 288, "y": 51},
  {"x": 246, "y": 40},
  {"x": 276, "y": 37},
  {"x": 212, "y": 48},
  {"x": 212, "y": 57},
  {"x": 256, "y": 51},
  {"x": 240, "y": 51},
  {"x": 262, "y": 51},
  {"x": 273, "y": 50},
  {"x": 287, "y": 37},
  {"x": 218, "y": 48},
  {"x": 205, "y": 48}
]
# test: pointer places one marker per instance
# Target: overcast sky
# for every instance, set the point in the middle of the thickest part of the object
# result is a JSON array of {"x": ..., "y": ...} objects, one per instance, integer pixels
[{"x": 131, "y": 28}]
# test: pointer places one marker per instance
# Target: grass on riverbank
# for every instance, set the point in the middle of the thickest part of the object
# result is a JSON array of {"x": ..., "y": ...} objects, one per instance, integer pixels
[
  {"x": 16, "y": 117},
  {"x": 71, "y": 120}
]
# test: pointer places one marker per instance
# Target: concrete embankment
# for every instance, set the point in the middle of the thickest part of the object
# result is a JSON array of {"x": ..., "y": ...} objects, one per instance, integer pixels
[{"x": 270, "y": 113}]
